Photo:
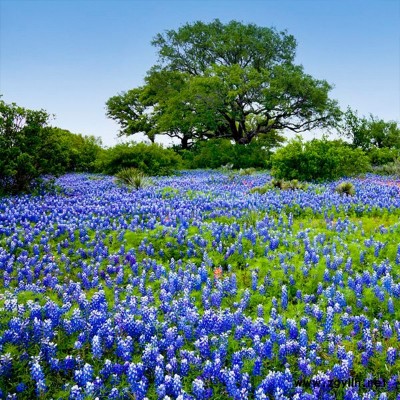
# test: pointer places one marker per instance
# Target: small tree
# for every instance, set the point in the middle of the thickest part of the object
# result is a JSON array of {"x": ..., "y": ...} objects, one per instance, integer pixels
[
  {"x": 370, "y": 133},
  {"x": 25, "y": 147}
]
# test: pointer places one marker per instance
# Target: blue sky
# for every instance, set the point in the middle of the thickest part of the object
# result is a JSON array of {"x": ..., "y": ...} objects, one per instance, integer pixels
[{"x": 69, "y": 57}]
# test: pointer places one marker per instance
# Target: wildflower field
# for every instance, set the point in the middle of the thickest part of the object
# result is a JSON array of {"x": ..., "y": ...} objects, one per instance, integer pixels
[{"x": 198, "y": 287}]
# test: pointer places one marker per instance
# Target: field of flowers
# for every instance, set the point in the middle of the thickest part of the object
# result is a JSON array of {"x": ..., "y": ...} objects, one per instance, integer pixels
[{"x": 197, "y": 288}]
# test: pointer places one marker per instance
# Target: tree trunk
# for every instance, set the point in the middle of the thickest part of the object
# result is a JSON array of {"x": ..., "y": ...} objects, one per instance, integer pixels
[
  {"x": 244, "y": 140},
  {"x": 185, "y": 143}
]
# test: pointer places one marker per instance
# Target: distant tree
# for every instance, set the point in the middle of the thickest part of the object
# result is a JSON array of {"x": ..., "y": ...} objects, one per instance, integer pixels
[
  {"x": 224, "y": 81},
  {"x": 369, "y": 133}
]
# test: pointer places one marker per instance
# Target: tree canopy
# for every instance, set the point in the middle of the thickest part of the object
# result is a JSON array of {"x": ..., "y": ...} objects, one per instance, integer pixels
[
  {"x": 370, "y": 132},
  {"x": 220, "y": 80}
]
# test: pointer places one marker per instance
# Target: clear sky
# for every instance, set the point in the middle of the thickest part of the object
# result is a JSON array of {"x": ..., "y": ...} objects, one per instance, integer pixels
[{"x": 69, "y": 57}]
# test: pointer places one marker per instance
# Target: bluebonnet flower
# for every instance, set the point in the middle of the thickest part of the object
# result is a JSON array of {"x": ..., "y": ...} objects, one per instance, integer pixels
[
  {"x": 38, "y": 376},
  {"x": 284, "y": 298},
  {"x": 96, "y": 347},
  {"x": 391, "y": 355},
  {"x": 387, "y": 331},
  {"x": 198, "y": 389},
  {"x": 5, "y": 364},
  {"x": 390, "y": 306},
  {"x": 76, "y": 393},
  {"x": 329, "y": 320},
  {"x": 84, "y": 375},
  {"x": 114, "y": 394}
]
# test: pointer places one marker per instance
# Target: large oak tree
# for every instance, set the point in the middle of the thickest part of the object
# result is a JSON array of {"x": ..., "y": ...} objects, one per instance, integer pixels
[{"x": 224, "y": 80}]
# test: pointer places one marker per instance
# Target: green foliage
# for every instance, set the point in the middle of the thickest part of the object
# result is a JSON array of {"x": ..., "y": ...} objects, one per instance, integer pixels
[
  {"x": 346, "y": 188},
  {"x": 27, "y": 148},
  {"x": 220, "y": 80},
  {"x": 247, "y": 171},
  {"x": 318, "y": 160},
  {"x": 128, "y": 110},
  {"x": 132, "y": 177},
  {"x": 213, "y": 154},
  {"x": 151, "y": 159},
  {"x": 294, "y": 184},
  {"x": 382, "y": 156},
  {"x": 79, "y": 153},
  {"x": 217, "y": 153},
  {"x": 371, "y": 132},
  {"x": 280, "y": 184},
  {"x": 261, "y": 189},
  {"x": 227, "y": 167},
  {"x": 392, "y": 168}
]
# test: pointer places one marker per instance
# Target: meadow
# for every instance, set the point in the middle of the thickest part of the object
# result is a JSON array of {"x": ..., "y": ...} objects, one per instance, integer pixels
[{"x": 198, "y": 287}]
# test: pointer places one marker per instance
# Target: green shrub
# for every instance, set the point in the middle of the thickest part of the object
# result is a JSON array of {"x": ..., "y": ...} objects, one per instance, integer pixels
[
  {"x": 281, "y": 185},
  {"x": 346, "y": 188},
  {"x": 262, "y": 189},
  {"x": 382, "y": 156},
  {"x": 133, "y": 177},
  {"x": 28, "y": 149},
  {"x": 80, "y": 153},
  {"x": 392, "y": 168},
  {"x": 227, "y": 167},
  {"x": 277, "y": 183},
  {"x": 212, "y": 154},
  {"x": 151, "y": 159},
  {"x": 288, "y": 185},
  {"x": 318, "y": 160},
  {"x": 217, "y": 153},
  {"x": 294, "y": 184},
  {"x": 247, "y": 171}
]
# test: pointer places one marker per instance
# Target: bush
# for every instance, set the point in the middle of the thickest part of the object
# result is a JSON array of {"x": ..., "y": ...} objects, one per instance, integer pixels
[
  {"x": 261, "y": 189},
  {"x": 28, "y": 149},
  {"x": 133, "y": 177},
  {"x": 293, "y": 185},
  {"x": 216, "y": 153},
  {"x": 281, "y": 185},
  {"x": 151, "y": 159},
  {"x": 392, "y": 168},
  {"x": 247, "y": 171},
  {"x": 346, "y": 188},
  {"x": 318, "y": 160},
  {"x": 80, "y": 153},
  {"x": 227, "y": 167},
  {"x": 382, "y": 156}
]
